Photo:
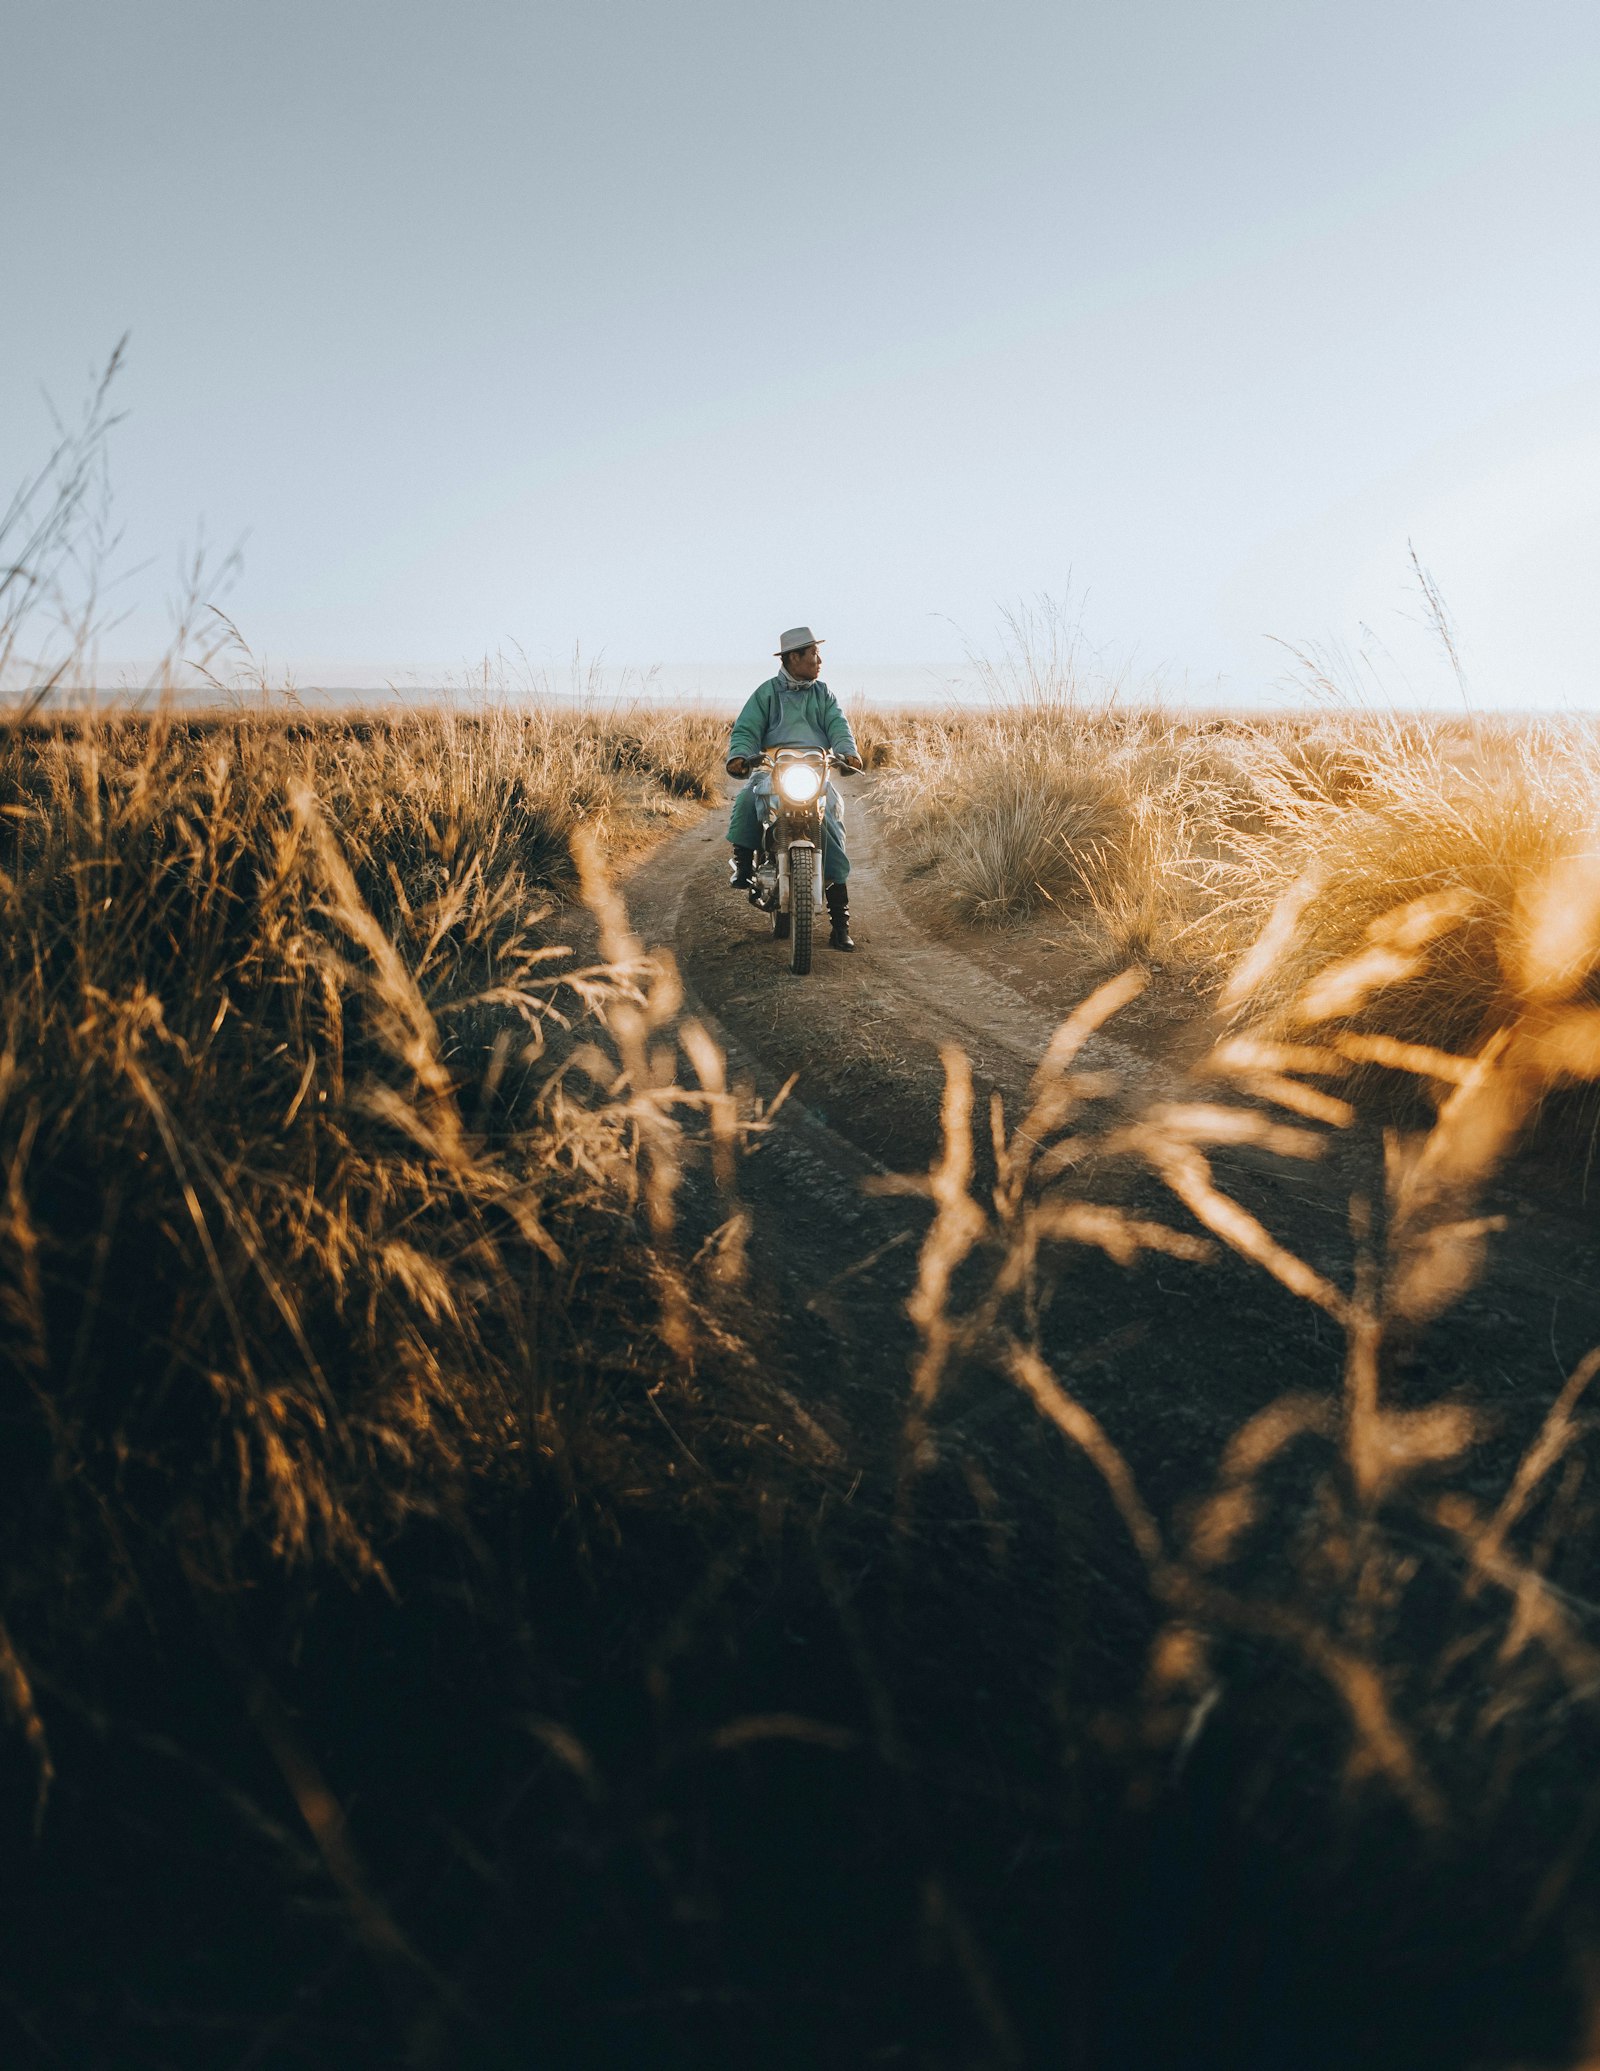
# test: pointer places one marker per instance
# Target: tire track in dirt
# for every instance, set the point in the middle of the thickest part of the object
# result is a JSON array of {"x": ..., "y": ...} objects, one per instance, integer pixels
[{"x": 824, "y": 1250}]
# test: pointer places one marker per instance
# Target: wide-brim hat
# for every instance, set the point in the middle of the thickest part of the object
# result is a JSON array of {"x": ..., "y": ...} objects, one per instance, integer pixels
[{"x": 797, "y": 636}]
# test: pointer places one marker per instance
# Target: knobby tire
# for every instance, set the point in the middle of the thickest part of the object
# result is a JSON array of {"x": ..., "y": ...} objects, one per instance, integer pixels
[{"x": 802, "y": 902}]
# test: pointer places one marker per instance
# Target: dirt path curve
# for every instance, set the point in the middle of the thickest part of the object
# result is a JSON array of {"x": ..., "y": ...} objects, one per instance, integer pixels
[
  {"x": 861, "y": 1039},
  {"x": 857, "y": 1020}
]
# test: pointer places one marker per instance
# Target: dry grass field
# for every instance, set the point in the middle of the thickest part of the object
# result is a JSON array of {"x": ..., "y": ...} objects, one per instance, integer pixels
[
  {"x": 1163, "y": 839},
  {"x": 1393, "y": 918},
  {"x": 295, "y": 1127},
  {"x": 454, "y": 1611}
]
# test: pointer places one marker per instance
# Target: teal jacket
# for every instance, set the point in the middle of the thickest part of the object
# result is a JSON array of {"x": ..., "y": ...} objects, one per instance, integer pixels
[{"x": 774, "y": 717}]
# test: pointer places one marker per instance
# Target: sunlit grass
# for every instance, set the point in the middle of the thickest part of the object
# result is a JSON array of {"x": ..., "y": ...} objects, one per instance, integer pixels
[
  {"x": 1322, "y": 1562},
  {"x": 1170, "y": 840}
]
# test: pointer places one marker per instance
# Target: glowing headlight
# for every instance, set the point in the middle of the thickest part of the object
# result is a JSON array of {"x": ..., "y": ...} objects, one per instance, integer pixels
[{"x": 799, "y": 782}]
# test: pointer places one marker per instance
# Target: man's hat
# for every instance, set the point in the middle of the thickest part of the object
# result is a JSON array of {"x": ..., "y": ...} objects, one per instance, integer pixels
[{"x": 797, "y": 636}]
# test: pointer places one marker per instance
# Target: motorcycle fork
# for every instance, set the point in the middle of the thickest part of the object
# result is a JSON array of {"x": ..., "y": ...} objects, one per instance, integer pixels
[{"x": 790, "y": 836}]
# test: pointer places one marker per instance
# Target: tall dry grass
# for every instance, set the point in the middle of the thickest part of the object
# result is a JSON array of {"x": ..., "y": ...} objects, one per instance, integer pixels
[
  {"x": 1353, "y": 892},
  {"x": 1094, "y": 816},
  {"x": 1180, "y": 841},
  {"x": 1350, "y": 1533},
  {"x": 1459, "y": 830},
  {"x": 332, "y": 1182}
]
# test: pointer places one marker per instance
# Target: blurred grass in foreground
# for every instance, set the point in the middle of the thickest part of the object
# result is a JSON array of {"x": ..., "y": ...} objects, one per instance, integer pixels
[
  {"x": 312, "y": 1211},
  {"x": 339, "y": 1196}
]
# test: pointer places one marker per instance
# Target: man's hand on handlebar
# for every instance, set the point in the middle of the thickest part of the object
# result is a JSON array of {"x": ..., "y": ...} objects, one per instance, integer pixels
[{"x": 741, "y": 765}]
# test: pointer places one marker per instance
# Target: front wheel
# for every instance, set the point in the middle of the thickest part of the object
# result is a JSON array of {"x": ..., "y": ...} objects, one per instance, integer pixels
[{"x": 802, "y": 901}]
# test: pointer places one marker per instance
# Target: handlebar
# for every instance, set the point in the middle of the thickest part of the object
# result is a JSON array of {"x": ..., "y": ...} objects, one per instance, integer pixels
[{"x": 742, "y": 765}]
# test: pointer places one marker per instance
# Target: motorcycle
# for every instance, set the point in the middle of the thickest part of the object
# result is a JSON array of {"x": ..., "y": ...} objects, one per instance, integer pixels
[{"x": 788, "y": 874}]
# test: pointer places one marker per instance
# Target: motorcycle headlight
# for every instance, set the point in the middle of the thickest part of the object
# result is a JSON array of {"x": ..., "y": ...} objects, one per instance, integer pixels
[{"x": 799, "y": 782}]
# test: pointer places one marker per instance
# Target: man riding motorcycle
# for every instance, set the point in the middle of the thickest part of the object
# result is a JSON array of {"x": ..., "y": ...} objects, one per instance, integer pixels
[{"x": 793, "y": 710}]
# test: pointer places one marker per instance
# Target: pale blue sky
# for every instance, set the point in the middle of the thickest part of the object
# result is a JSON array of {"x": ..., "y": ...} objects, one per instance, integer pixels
[{"x": 657, "y": 327}]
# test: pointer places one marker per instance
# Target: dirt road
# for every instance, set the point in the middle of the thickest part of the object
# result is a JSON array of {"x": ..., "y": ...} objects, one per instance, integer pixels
[{"x": 861, "y": 1037}]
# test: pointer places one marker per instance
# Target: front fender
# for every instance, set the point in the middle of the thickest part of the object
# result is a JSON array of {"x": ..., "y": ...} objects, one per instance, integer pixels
[{"x": 798, "y": 854}]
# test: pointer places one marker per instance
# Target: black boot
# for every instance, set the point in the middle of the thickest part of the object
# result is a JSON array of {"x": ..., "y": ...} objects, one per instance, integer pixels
[
  {"x": 838, "y": 898},
  {"x": 742, "y": 870}
]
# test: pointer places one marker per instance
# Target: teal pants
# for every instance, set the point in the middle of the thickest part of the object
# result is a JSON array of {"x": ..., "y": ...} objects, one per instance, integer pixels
[{"x": 744, "y": 828}]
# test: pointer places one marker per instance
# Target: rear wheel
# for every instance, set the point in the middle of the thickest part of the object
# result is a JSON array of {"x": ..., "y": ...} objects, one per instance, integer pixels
[
  {"x": 780, "y": 927},
  {"x": 802, "y": 899}
]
